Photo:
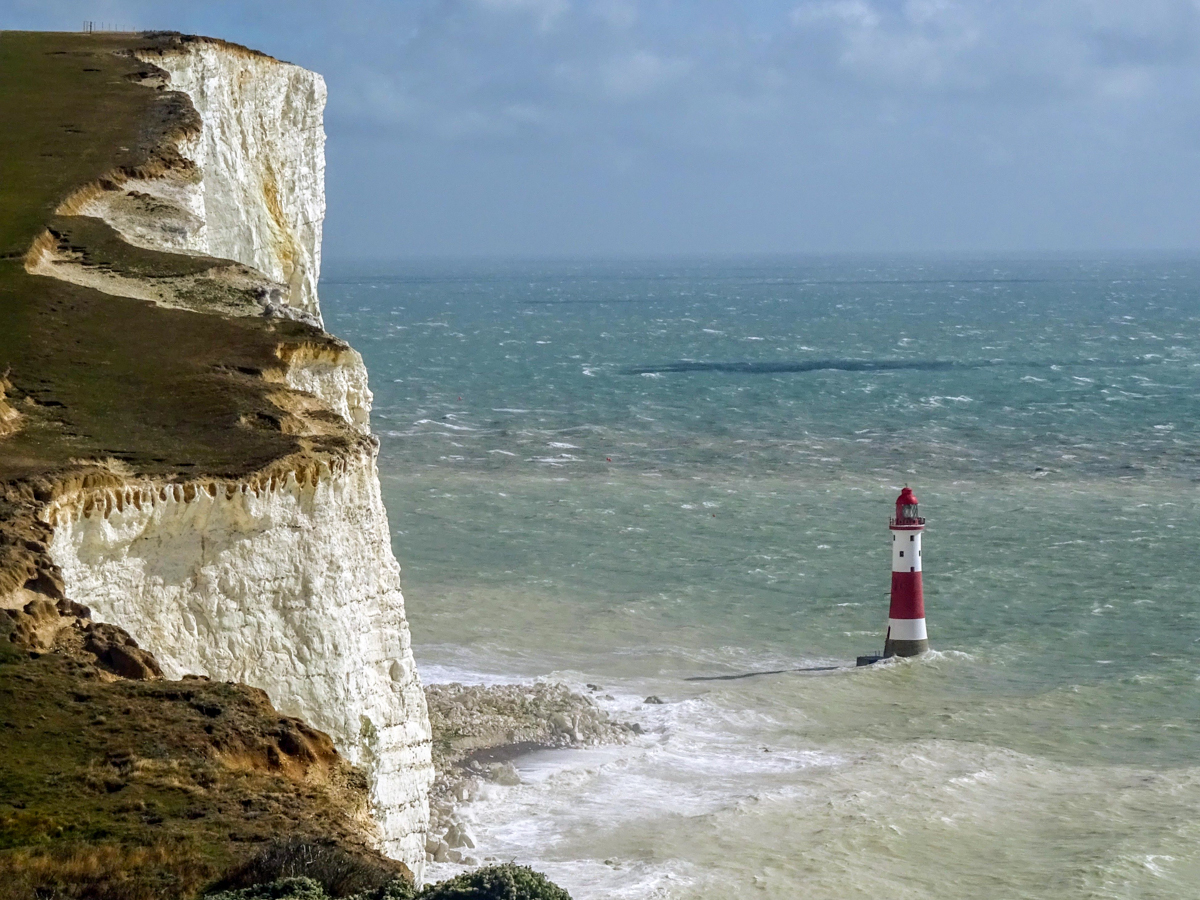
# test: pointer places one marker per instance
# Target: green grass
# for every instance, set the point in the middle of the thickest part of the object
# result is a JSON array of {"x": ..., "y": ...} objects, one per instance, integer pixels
[
  {"x": 127, "y": 790},
  {"x": 69, "y": 116}
]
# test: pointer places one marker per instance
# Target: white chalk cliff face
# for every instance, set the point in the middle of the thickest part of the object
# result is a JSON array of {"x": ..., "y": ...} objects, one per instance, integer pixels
[
  {"x": 255, "y": 196},
  {"x": 286, "y": 582},
  {"x": 340, "y": 380},
  {"x": 261, "y": 155},
  {"x": 288, "y": 585}
]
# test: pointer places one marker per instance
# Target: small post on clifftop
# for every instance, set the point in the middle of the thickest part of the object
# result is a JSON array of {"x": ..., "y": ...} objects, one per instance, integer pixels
[{"x": 906, "y": 634}]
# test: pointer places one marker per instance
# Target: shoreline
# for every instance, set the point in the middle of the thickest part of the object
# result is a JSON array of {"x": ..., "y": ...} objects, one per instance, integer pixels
[{"x": 479, "y": 730}]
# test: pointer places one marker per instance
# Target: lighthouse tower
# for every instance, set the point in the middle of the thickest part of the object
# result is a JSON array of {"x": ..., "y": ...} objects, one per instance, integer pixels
[{"x": 906, "y": 635}]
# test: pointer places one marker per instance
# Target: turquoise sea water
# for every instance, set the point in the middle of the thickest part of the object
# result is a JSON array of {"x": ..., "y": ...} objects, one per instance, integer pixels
[{"x": 633, "y": 473}]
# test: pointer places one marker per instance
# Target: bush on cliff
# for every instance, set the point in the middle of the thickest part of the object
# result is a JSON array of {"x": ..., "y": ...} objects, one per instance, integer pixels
[
  {"x": 335, "y": 870},
  {"x": 506, "y": 882},
  {"x": 283, "y": 889}
]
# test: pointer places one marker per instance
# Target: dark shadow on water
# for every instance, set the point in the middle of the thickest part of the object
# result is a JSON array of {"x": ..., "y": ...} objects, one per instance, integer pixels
[
  {"x": 815, "y": 365},
  {"x": 853, "y": 365}
]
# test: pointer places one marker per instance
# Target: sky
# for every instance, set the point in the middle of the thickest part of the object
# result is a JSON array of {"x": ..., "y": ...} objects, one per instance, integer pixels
[{"x": 545, "y": 128}]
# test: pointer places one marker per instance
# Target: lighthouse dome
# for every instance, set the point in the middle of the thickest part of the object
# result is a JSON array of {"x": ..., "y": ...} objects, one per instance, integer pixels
[{"x": 906, "y": 508}]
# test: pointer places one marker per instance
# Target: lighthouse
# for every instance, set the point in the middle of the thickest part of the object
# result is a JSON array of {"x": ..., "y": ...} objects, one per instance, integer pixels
[{"x": 906, "y": 635}]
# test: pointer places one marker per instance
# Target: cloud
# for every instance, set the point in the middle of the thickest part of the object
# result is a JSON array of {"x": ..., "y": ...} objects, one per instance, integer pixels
[
  {"x": 1022, "y": 47},
  {"x": 621, "y": 14},
  {"x": 544, "y": 12},
  {"x": 855, "y": 13},
  {"x": 640, "y": 73}
]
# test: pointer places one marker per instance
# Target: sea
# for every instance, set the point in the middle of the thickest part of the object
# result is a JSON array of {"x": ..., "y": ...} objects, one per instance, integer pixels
[{"x": 641, "y": 476}]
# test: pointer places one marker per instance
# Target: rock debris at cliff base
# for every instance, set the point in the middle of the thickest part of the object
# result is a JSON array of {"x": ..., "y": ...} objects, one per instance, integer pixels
[{"x": 479, "y": 729}]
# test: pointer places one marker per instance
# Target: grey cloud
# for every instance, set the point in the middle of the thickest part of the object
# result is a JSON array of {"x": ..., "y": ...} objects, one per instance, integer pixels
[
  {"x": 545, "y": 13},
  {"x": 640, "y": 73},
  {"x": 983, "y": 46}
]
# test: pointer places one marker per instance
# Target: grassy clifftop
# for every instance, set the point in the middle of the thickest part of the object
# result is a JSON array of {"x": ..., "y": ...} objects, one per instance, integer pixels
[{"x": 95, "y": 376}]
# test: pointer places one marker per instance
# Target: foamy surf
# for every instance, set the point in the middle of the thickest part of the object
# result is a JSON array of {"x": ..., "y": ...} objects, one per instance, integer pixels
[{"x": 573, "y": 812}]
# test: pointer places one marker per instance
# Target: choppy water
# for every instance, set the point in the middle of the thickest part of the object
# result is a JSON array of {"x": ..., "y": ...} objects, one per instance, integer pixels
[{"x": 633, "y": 473}]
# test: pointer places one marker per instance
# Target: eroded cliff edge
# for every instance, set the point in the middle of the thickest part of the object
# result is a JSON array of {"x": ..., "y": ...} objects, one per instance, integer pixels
[{"x": 183, "y": 449}]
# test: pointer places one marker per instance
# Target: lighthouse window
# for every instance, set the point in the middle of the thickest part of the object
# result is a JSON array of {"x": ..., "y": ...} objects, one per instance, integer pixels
[{"x": 901, "y": 552}]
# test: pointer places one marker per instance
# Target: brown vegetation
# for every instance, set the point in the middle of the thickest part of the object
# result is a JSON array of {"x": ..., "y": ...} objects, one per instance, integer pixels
[
  {"x": 112, "y": 789},
  {"x": 103, "y": 871}
]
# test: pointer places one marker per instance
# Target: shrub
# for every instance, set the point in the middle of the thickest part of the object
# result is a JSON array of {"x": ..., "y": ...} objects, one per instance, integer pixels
[
  {"x": 336, "y": 872},
  {"x": 283, "y": 889},
  {"x": 507, "y": 882}
]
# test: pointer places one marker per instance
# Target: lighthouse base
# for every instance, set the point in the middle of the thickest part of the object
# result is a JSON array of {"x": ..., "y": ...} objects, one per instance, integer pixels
[
  {"x": 904, "y": 648},
  {"x": 905, "y": 637}
]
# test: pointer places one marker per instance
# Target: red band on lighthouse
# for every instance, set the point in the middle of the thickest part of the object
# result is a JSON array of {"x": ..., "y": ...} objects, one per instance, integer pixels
[
  {"x": 908, "y": 598},
  {"x": 906, "y": 634}
]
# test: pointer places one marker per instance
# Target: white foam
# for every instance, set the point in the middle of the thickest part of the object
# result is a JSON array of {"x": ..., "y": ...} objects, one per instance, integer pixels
[
  {"x": 444, "y": 424},
  {"x": 576, "y": 813}
]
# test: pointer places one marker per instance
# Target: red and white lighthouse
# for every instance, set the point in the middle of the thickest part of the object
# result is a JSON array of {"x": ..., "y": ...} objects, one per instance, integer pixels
[{"x": 906, "y": 635}]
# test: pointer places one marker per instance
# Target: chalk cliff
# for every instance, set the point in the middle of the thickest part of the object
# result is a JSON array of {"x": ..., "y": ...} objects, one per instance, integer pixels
[
  {"x": 255, "y": 191},
  {"x": 216, "y": 497}
]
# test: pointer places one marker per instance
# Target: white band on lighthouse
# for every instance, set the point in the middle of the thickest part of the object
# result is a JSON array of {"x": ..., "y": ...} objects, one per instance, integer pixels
[
  {"x": 906, "y": 550},
  {"x": 907, "y": 630}
]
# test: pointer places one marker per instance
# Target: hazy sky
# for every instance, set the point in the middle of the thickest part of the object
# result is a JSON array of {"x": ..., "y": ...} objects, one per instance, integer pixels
[{"x": 580, "y": 127}]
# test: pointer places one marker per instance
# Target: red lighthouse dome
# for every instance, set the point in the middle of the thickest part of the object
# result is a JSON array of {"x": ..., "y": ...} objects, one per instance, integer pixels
[{"x": 906, "y": 509}]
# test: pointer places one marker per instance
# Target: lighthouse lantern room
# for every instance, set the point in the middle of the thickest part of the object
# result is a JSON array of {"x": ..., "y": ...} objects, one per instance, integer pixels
[{"x": 906, "y": 635}]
